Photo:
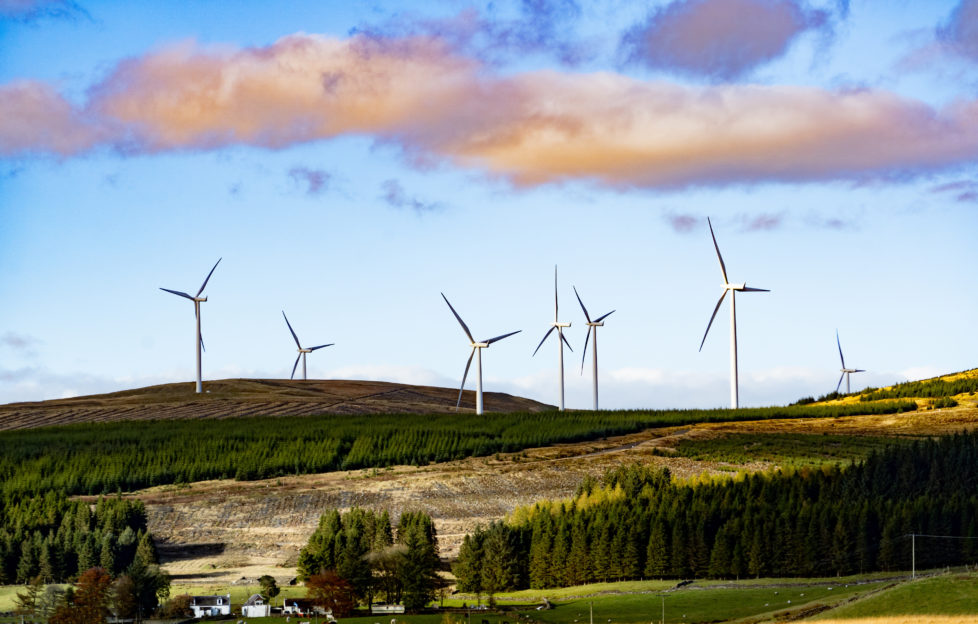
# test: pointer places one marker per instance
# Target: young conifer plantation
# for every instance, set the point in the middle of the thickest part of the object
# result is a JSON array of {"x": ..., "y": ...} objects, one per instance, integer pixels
[{"x": 639, "y": 523}]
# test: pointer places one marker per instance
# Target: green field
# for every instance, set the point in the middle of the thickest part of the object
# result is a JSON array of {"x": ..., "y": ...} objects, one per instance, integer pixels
[
  {"x": 949, "y": 594},
  {"x": 756, "y": 600},
  {"x": 785, "y": 449}
]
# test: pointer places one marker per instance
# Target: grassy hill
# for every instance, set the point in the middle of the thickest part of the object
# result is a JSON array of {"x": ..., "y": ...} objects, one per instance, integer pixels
[{"x": 234, "y": 398}]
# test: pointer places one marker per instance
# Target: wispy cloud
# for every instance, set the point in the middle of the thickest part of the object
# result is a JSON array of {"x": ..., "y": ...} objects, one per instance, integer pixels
[
  {"x": 34, "y": 10},
  {"x": 529, "y": 128},
  {"x": 539, "y": 27},
  {"x": 393, "y": 193},
  {"x": 312, "y": 181},
  {"x": 761, "y": 222},
  {"x": 682, "y": 223},
  {"x": 18, "y": 342},
  {"x": 965, "y": 191},
  {"x": 960, "y": 32},
  {"x": 720, "y": 39}
]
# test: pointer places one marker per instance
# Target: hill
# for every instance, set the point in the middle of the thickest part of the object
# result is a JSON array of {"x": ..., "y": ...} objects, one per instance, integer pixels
[{"x": 234, "y": 398}]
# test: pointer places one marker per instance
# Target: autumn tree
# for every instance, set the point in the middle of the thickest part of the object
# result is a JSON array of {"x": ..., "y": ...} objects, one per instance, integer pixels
[{"x": 331, "y": 592}]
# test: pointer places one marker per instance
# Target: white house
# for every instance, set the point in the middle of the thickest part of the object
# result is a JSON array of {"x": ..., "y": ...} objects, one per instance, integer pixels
[
  {"x": 210, "y": 605},
  {"x": 256, "y": 606}
]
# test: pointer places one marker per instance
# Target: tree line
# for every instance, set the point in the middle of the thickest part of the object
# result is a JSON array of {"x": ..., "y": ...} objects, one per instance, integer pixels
[
  {"x": 106, "y": 458},
  {"x": 637, "y": 522},
  {"x": 358, "y": 556}
]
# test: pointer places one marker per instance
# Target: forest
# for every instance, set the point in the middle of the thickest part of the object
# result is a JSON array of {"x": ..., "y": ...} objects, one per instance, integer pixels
[
  {"x": 637, "y": 522},
  {"x": 54, "y": 538},
  {"x": 360, "y": 549},
  {"x": 106, "y": 458}
]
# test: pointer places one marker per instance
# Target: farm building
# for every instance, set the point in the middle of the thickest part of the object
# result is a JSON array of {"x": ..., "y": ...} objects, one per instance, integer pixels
[
  {"x": 210, "y": 605},
  {"x": 256, "y": 606}
]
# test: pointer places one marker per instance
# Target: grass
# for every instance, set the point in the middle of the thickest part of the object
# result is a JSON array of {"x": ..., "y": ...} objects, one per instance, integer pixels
[
  {"x": 784, "y": 449},
  {"x": 947, "y": 595}
]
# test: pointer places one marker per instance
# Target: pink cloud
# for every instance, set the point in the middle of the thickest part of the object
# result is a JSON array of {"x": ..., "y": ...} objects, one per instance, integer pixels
[
  {"x": 35, "y": 118},
  {"x": 314, "y": 181},
  {"x": 719, "y": 39},
  {"x": 533, "y": 128}
]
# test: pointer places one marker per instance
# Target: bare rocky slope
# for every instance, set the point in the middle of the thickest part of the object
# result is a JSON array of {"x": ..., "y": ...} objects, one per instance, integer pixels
[{"x": 232, "y": 398}]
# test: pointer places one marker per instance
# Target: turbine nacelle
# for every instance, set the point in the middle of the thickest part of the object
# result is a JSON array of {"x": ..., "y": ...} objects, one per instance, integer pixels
[
  {"x": 740, "y": 286},
  {"x": 559, "y": 324},
  {"x": 599, "y": 324},
  {"x": 480, "y": 345}
]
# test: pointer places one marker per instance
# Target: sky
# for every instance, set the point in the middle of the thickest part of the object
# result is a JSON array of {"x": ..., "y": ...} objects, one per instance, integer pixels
[{"x": 349, "y": 161}]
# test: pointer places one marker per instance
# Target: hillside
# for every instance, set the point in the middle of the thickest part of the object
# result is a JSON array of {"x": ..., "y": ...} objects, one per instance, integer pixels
[{"x": 233, "y": 398}]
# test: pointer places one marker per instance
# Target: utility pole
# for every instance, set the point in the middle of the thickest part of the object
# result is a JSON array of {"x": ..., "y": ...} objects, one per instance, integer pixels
[
  {"x": 913, "y": 556},
  {"x": 592, "y": 611}
]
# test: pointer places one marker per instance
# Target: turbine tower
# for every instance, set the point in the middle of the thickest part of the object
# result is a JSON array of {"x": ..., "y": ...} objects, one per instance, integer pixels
[
  {"x": 592, "y": 326},
  {"x": 302, "y": 352},
  {"x": 845, "y": 371},
  {"x": 477, "y": 348},
  {"x": 197, "y": 299},
  {"x": 732, "y": 289},
  {"x": 561, "y": 340}
]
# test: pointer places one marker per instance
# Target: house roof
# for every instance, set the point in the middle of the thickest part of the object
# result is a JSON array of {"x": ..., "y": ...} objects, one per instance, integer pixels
[
  {"x": 209, "y": 601},
  {"x": 254, "y": 599}
]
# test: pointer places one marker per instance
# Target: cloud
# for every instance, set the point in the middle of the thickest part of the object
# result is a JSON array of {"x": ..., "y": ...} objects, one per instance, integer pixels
[
  {"x": 314, "y": 181},
  {"x": 531, "y": 128},
  {"x": 541, "y": 26},
  {"x": 18, "y": 342},
  {"x": 394, "y": 195},
  {"x": 960, "y": 32},
  {"x": 720, "y": 39},
  {"x": 964, "y": 191},
  {"x": 761, "y": 222},
  {"x": 682, "y": 223},
  {"x": 34, "y": 10}
]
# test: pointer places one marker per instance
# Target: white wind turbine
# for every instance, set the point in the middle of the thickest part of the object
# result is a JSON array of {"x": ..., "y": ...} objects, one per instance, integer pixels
[
  {"x": 477, "y": 348},
  {"x": 197, "y": 299},
  {"x": 592, "y": 325},
  {"x": 561, "y": 340},
  {"x": 732, "y": 289},
  {"x": 845, "y": 371},
  {"x": 302, "y": 352}
]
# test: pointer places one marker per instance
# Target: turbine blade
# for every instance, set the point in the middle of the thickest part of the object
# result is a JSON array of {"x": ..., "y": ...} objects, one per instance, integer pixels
[
  {"x": 584, "y": 353},
  {"x": 294, "y": 366},
  {"x": 601, "y": 318},
  {"x": 711, "y": 319},
  {"x": 202, "y": 343},
  {"x": 321, "y": 346},
  {"x": 464, "y": 375},
  {"x": 564, "y": 338},
  {"x": 582, "y": 306},
  {"x": 204, "y": 285},
  {"x": 839, "y": 385},
  {"x": 840, "y": 349},
  {"x": 555, "y": 293},
  {"x": 498, "y": 338},
  {"x": 177, "y": 292},
  {"x": 296, "y": 338},
  {"x": 723, "y": 268},
  {"x": 542, "y": 341},
  {"x": 748, "y": 289},
  {"x": 859, "y": 370},
  {"x": 460, "y": 321}
]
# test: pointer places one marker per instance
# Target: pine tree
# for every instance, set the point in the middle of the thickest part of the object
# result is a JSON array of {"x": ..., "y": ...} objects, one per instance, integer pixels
[{"x": 657, "y": 552}]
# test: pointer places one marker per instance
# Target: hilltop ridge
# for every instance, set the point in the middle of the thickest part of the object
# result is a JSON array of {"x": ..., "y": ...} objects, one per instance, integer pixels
[{"x": 235, "y": 398}]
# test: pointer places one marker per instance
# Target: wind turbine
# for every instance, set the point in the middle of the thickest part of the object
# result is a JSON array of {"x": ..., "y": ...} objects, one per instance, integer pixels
[
  {"x": 732, "y": 289},
  {"x": 197, "y": 299},
  {"x": 845, "y": 371},
  {"x": 592, "y": 325},
  {"x": 561, "y": 340},
  {"x": 477, "y": 348},
  {"x": 302, "y": 352}
]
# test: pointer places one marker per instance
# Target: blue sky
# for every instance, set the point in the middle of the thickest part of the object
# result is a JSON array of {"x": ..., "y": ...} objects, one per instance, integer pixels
[{"x": 349, "y": 161}]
